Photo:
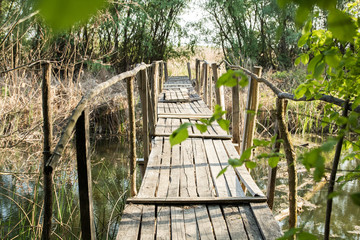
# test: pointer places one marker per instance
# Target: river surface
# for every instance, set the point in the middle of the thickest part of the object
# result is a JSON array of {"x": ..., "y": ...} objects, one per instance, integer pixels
[{"x": 19, "y": 216}]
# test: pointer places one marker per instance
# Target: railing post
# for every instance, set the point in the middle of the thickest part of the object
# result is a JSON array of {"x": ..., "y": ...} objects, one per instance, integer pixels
[
  {"x": 166, "y": 71},
  {"x": 154, "y": 89},
  {"x": 251, "y": 108},
  {"x": 161, "y": 76},
  {"x": 47, "y": 128},
  {"x": 189, "y": 71},
  {"x": 219, "y": 92},
  {"x": 143, "y": 90},
  {"x": 201, "y": 83},
  {"x": 84, "y": 176},
  {"x": 236, "y": 116},
  {"x": 130, "y": 92},
  {"x": 206, "y": 84},
  {"x": 210, "y": 77},
  {"x": 197, "y": 73}
]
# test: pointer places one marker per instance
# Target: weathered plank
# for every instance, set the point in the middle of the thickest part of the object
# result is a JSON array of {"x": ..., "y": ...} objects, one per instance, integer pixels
[
  {"x": 148, "y": 222},
  {"x": 163, "y": 228},
  {"x": 130, "y": 222}
]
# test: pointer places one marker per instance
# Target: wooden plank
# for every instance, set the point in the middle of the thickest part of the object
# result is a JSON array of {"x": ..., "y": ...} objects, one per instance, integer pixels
[
  {"x": 249, "y": 222},
  {"x": 193, "y": 135},
  {"x": 189, "y": 116},
  {"x": 164, "y": 177},
  {"x": 160, "y": 127},
  {"x": 203, "y": 179},
  {"x": 195, "y": 200},
  {"x": 187, "y": 181},
  {"x": 175, "y": 172},
  {"x": 191, "y": 228},
  {"x": 269, "y": 227},
  {"x": 218, "y": 222},
  {"x": 163, "y": 229},
  {"x": 230, "y": 175},
  {"x": 204, "y": 223},
  {"x": 130, "y": 222},
  {"x": 221, "y": 187},
  {"x": 234, "y": 223},
  {"x": 177, "y": 223},
  {"x": 148, "y": 222},
  {"x": 242, "y": 172},
  {"x": 151, "y": 177}
]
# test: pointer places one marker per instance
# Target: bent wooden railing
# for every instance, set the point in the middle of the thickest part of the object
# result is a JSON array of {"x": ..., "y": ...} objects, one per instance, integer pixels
[{"x": 150, "y": 81}]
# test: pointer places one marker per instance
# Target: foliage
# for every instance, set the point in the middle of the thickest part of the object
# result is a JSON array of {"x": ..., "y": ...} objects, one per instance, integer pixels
[{"x": 254, "y": 30}]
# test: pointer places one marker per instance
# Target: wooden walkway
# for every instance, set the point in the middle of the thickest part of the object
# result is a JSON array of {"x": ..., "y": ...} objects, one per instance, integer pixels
[{"x": 180, "y": 196}]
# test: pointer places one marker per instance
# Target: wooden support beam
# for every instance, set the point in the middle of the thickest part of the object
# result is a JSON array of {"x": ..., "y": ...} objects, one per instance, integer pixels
[
  {"x": 196, "y": 200},
  {"x": 219, "y": 92},
  {"x": 166, "y": 73},
  {"x": 84, "y": 176},
  {"x": 197, "y": 73},
  {"x": 48, "y": 182},
  {"x": 179, "y": 115},
  {"x": 180, "y": 100},
  {"x": 210, "y": 77},
  {"x": 154, "y": 89},
  {"x": 161, "y": 76},
  {"x": 131, "y": 104}
]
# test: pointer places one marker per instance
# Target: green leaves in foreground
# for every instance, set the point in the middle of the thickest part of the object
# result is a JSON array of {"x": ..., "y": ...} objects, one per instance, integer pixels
[
  {"x": 181, "y": 134},
  {"x": 231, "y": 78},
  {"x": 63, "y": 14}
]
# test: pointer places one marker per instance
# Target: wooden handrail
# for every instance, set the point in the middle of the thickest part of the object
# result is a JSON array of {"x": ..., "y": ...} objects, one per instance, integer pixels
[{"x": 67, "y": 132}]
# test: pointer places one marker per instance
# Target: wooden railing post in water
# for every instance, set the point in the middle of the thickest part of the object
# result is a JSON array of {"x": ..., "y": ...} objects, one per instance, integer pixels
[
  {"x": 130, "y": 92},
  {"x": 271, "y": 184},
  {"x": 291, "y": 161},
  {"x": 236, "y": 117},
  {"x": 251, "y": 111},
  {"x": 84, "y": 176},
  {"x": 46, "y": 108},
  {"x": 219, "y": 92},
  {"x": 189, "y": 71},
  {"x": 143, "y": 90},
  {"x": 206, "y": 84}
]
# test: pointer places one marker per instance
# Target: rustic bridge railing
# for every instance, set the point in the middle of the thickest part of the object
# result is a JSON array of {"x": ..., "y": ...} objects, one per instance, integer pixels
[
  {"x": 150, "y": 78},
  {"x": 204, "y": 85}
]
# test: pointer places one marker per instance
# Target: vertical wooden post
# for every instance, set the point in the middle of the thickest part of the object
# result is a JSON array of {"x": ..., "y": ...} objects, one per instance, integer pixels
[
  {"x": 252, "y": 107},
  {"x": 219, "y": 92},
  {"x": 154, "y": 89},
  {"x": 47, "y": 128},
  {"x": 201, "y": 82},
  {"x": 197, "y": 75},
  {"x": 189, "y": 71},
  {"x": 161, "y": 76},
  {"x": 291, "y": 162},
  {"x": 84, "y": 176},
  {"x": 166, "y": 71},
  {"x": 210, "y": 95},
  {"x": 206, "y": 84},
  {"x": 143, "y": 90},
  {"x": 130, "y": 92},
  {"x": 236, "y": 116}
]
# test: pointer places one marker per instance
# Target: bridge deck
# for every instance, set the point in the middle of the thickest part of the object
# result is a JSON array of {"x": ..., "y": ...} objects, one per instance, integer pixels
[{"x": 180, "y": 196}]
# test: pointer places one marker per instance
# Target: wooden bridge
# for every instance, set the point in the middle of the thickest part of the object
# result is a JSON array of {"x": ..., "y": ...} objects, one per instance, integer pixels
[{"x": 180, "y": 195}]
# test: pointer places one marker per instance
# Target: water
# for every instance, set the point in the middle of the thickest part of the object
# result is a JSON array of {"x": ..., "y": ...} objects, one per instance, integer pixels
[{"x": 345, "y": 220}]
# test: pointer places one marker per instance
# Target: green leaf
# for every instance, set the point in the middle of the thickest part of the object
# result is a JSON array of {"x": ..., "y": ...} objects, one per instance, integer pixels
[
  {"x": 222, "y": 172},
  {"x": 63, "y": 14},
  {"x": 273, "y": 161},
  {"x": 355, "y": 197},
  {"x": 306, "y": 236},
  {"x": 235, "y": 162},
  {"x": 332, "y": 60},
  {"x": 300, "y": 91},
  {"x": 180, "y": 134},
  {"x": 250, "y": 164},
  {"x": 314, "y": 62},
  {"x": 230, "y": 78},
  {"x": 297, "y": 61},
  {"x": 329, "y": 145},
  {"x": 202, "y": 128},
  {"x": 224, "y": 124},
  {"x": 246, "y": 154},
  {"x": 303, "y": 39},
  {"x": 342, "y": 25},
  {"x": 305, "y": 58}
]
